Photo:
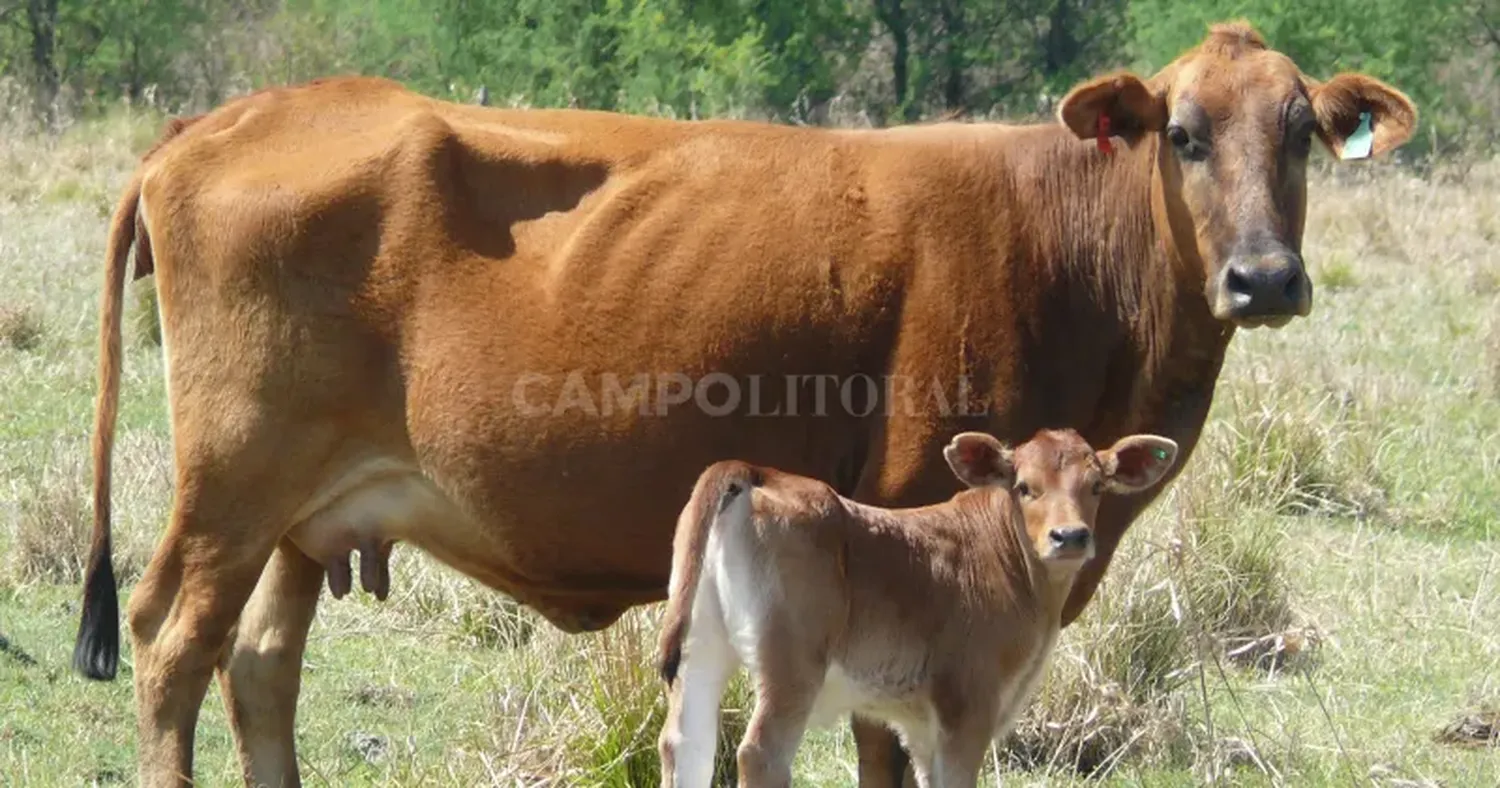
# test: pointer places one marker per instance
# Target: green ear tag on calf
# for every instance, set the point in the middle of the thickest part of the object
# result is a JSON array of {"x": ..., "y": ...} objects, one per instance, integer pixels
[
  {"x": 1161, "y": 454},
  {"x": 1357, "y": 145}
]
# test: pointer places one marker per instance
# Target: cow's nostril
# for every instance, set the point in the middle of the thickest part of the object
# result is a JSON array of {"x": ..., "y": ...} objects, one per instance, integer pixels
[
  {"x": 1236, "y": 282},
  {"x": 1293, "y": 286}
]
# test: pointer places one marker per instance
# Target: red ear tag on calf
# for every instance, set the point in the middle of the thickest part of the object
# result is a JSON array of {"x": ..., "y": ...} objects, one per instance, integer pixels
[{"x": 1103, "y": 139}]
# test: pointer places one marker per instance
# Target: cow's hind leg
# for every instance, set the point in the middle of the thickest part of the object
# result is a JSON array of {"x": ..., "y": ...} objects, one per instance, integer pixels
[
  {"x": 260, "y": 674},
  {"x": 222, "y": 533},
  {"x": 180, "y": 616}
]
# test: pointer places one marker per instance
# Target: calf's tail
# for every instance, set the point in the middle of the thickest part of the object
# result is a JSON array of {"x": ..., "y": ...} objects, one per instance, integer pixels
[{"x": 717, "y": 489}]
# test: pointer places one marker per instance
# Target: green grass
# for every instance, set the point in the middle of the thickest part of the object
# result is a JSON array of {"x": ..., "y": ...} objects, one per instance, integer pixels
[{"x": 1344, "y": 497}]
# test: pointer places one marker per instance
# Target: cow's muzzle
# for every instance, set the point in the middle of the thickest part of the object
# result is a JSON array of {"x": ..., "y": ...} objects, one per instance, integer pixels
[{"x": 1262, "y": 290}]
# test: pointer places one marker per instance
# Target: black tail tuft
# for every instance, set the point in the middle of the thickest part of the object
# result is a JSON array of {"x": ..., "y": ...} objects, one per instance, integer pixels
[
  {"x": 96, "y": 654},
  {"x": 670, "y": 662}
]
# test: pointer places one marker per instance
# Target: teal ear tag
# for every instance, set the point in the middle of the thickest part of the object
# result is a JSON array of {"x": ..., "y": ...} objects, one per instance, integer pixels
[
  {"x": 1357, "y": 145},
  {"x": 1161, "y": 454}
]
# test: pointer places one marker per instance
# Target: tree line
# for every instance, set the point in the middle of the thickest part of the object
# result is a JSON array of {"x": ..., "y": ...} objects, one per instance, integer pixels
[{"x": 800, "y": 61}]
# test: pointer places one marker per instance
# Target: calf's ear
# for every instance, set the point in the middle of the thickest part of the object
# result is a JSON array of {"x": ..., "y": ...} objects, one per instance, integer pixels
[
  {"x": 1128, "y": 106},
  {"x": 1136, "y": 462},
  {"x": 1360, "y": 116},
  {"x": 978, "y": 459}
]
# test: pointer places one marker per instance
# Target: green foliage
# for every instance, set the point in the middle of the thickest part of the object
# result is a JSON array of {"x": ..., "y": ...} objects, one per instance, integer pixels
[
  {"x": 1403, "y": 42},
  {"x": 787, "y": 59}
]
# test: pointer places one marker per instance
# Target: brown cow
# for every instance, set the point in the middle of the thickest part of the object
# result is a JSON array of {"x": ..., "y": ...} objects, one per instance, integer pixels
[
  {"x": 939, "y": 620},
  {"x": 387, "y": 317}
]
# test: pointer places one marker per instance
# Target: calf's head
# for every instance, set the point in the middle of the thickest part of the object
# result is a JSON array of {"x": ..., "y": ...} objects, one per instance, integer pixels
[
  {"x": 1057, "y": 479},
  {"x": 1233, "y": 121}
]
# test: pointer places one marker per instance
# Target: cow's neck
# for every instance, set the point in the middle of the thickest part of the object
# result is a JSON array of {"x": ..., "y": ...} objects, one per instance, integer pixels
[{"x": 1107, "y": 233}]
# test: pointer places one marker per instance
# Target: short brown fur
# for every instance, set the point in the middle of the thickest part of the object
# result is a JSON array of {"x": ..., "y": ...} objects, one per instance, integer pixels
[
  {"x": 939, "y": 619},
  {"x": 355, "y": 283}
]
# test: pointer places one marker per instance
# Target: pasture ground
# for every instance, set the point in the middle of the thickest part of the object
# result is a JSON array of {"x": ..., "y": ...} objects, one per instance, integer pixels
[{"x": 1312, "y": 603}]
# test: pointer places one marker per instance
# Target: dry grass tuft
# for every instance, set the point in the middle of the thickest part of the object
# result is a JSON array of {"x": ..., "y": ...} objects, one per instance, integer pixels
[
  {"x": 1492, "y": 355},
  {"x": 1384, "y": 775},
  {"x": 1085, "y": 723},
  {"x": 1335, "y": 273},
  {"x": 85, "y": 163},
  {"x": 51, "y": 539},
  {"x": 1486, "y": 281},
  {"x": 1479, "y": 728},
  {"x": 51, "y": 533},
  {"x": 1297, "y": 648},
  {"x": 1291, "y": 456},
  {"x": 21, "y": 327},
  {"x": 1108, "y": 697},
  {"x": 1230, "y": 577}
]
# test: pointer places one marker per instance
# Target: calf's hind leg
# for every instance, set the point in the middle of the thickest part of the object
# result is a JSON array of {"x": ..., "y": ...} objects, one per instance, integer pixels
[
  {"x": 260, "y": 675},
  {"x": 786, "y": 691},
  {"x": 691, "y": 733}
]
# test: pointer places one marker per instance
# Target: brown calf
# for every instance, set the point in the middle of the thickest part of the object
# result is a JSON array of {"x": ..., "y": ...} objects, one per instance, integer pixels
[{"x": 936, "y": 620}]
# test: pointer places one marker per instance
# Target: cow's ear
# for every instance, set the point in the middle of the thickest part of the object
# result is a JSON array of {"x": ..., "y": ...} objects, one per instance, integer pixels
[
  {"x": 1131, "y": 108},
  {"x": 978, "y": 459},
  {"x": 1136, "y": 462},
  {"x": 1360, "y": 116}
]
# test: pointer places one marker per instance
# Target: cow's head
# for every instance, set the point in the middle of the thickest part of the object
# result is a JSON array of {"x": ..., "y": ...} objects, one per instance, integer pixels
[
  {"x": 1057, "y": 480},
  {"x": 1234, "y": 122}
]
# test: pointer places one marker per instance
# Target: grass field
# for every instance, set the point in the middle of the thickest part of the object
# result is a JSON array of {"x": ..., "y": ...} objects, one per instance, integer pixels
[{"x": 1314, "y": 602}]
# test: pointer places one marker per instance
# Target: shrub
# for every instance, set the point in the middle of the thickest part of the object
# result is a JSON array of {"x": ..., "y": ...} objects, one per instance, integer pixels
[{"x": 21, "y": 327}]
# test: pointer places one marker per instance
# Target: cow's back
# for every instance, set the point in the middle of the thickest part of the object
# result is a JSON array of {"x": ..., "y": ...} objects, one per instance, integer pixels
[{"x": 512, "y": 302}]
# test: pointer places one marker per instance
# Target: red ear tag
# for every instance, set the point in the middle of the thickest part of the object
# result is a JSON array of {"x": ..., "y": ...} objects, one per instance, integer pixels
[{"x": 1103, "y": 139}]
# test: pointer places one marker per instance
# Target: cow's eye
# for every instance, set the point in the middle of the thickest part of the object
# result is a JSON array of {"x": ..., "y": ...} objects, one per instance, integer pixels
[
  {"x": 1179, "y": 136},
  {"x": 1184, "y": 144},
  {"x": 1300, "y": 139},
  {"x": 1023, "y": 489}
]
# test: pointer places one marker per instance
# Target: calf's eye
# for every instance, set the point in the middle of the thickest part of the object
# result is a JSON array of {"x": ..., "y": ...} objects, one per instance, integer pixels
[{"x": 1023, "y": 489}]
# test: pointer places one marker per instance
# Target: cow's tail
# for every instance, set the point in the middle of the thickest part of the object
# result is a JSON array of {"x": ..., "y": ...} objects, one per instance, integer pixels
[
  {"x": 718, "y": 489},
  {"x": 96, "y": 653}
]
